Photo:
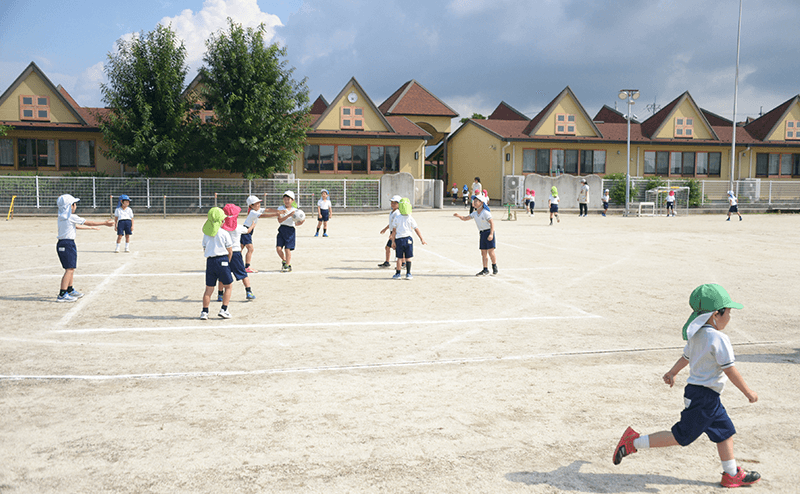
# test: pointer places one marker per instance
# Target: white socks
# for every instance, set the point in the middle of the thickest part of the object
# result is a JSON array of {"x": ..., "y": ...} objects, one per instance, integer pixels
[
  {"x": 641, "y": 442},
  {"x": 730, "y": 467}
]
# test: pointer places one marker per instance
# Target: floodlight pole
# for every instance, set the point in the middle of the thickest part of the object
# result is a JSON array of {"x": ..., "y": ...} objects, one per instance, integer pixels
[
  {"x": 735, "y": 96},
  {"x": 629, "y": 95}
]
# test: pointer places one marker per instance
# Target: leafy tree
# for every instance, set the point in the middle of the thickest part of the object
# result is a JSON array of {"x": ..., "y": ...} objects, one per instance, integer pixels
[
  {"x": 147, "y": 125},
  {"x": 261, "y": 113},
  {"x": 475, "y": 116},
  {"x": 4, "y": 130}
]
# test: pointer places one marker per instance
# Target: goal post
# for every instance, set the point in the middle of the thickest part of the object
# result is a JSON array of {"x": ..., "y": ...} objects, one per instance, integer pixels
[{"x": 658, "y": 196}]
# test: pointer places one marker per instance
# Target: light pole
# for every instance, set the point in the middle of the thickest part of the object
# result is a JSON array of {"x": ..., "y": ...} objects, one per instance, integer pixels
[{"x": 629, "y": 95}]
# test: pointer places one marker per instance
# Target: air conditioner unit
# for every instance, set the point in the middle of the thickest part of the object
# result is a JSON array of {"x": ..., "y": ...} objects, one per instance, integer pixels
[{"x": 512, "y": 186}]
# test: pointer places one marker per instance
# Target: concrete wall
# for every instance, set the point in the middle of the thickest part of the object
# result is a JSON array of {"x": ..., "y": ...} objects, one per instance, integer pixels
[
  {"x": 401, "y": 184},
  {"x": 568, "y": 187}
]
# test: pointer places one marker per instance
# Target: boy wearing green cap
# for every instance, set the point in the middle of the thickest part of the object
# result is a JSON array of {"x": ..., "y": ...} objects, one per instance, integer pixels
[
  {"x": 218, "y": 247},
  {"x": 552, "y": 201},
  {"x": 709, "y": 354}
]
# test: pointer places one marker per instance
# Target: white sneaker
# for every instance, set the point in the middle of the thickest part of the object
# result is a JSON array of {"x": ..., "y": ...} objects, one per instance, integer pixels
[
  {"x": 127, "y": 249},
  {"x": 224, "y": 314},
  {"x": 204, "y": 316},
  {"x": 66, "y": 298},
  {"x": 75, "y": 294}
]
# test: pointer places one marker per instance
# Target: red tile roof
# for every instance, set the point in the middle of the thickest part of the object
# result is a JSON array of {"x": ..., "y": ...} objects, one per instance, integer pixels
[
  {"x": 413, "y": 99},
  {"x": 319, "y": 106},
  {"x": 504, "y": 111},
  {"x": 764, "y": 125}
]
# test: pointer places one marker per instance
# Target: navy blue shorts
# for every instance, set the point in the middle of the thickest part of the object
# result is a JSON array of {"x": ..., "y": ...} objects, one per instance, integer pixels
[
  {"x": 237, "y": 266},
  {"x": 67, "y": 253},
  {"x": 218, "y": 268},
  {"x": 485, "y": 243},
  {"x": 734, "y": 209},
  {"x": 246, "y": 238},
  {"x": 124, "y": 227},
  {"x": 554, "y": 208},
  {"x": 704, "y": 413},
  {"x": 324, "y": 214},
  {"x": 404, "y": 247},
  {"x": 286, "y": 237},
  {"x": 605, "y": 205},
  {"x": 670, "y": 205}
]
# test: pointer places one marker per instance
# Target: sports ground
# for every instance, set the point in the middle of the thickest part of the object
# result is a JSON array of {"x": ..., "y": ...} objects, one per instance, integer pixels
[{"x": 339, "y": 379}]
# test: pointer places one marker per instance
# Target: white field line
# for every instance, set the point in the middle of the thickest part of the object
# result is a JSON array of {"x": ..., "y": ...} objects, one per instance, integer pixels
[
  {"x": 351, "y": 367},
  {"x": 321, "y": 324},
  {"x": 86, "y": 298}
]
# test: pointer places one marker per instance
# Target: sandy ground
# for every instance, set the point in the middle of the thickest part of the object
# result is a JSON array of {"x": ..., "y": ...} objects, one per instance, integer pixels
[{"x": 339, "y": 379}]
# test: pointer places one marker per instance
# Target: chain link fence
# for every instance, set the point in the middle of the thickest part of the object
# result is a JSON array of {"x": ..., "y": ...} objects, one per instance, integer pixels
[{"x": 38, "y": 195}]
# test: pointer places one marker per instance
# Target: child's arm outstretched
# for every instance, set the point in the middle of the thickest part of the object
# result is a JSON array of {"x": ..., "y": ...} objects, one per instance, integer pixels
[
  {"x": 669, "y": 377},
  {"x": 385, "y": 228},
  {"x": 733, "y": 374},
  {"x": 461, "y": 217},
  {"x": 419, "y": 234}
]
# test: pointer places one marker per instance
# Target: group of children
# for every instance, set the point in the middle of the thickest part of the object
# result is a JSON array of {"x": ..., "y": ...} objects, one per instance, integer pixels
[{"x": 708, "y": 351}]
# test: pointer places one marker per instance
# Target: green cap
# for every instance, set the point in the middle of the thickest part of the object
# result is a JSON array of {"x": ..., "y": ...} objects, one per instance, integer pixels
[
  {"x": 404, "y": 206},
  {"x": 215, "y": 218},
  {"x": 708, "y": 298},
  {"x": 554, "y": 190}
]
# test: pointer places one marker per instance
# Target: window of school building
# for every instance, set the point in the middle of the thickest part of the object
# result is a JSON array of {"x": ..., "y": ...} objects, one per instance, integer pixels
[
  {"x": 34, "y": 108},
  {"x": 570, "y": 161},
  {"x": 777, "y": 165},
  {"x": 682, "y": 163},
  {"x": 40, "y": 154},
  {"x": 339, "y": 158}
]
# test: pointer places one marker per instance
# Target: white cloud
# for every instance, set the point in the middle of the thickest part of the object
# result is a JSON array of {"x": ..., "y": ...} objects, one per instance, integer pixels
[{"x": 194, "y": 28}]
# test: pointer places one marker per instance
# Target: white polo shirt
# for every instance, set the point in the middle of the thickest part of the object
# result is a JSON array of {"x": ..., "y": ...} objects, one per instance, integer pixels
[{"x": 218, "y": 244}]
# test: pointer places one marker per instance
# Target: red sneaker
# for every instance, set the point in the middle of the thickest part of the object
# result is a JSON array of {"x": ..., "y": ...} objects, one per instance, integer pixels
[
  {"x": 625, "y": 446},
  {"x": 250, "y": 270},
  {"x": 742, "y": 477}
]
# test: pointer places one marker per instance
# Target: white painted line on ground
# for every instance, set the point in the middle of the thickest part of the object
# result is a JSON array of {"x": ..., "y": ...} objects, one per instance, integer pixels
[
  {"x": 86, "y": 298},
  {"x": 352, "y": 367},
  {"x": 320, "y": 324}
]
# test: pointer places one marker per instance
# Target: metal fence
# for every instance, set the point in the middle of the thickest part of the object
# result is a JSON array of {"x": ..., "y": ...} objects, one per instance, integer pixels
[
  {"x": 423, "y": 192},
  {"x": 38, "y": 195},
  {"x": 755, "y": 192}
]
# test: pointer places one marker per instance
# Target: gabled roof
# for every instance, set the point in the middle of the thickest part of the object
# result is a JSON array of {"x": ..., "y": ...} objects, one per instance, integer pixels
[
  {"x": 765, "y": 125},
  {"x": 610, "y": 115},
  {"x": 715, "y": 120},
  {"x": 653, "y": 125},
  {"x": 353, "y": 83},
  {"x": 504, "y": 111},
  {"x": 413, "y": 99},
  {"x": 537, "y": 121},
  {"x": 34, "y": 69},
  {"x": 319, "y": 106}
]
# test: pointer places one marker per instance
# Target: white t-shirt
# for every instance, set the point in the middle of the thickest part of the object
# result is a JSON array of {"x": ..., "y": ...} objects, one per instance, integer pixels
[
  {"x": 454, "y": 191},
  {"x": 709, "y": 353},
  {"x": 124, "y": 214},
  {"x": 482, "y": 219},
  {"x": 670, "y": 198},
  {"x": 236, "y": 237},
  {"x": 554, "y": 199},
  {"x": 66, "y": 226},
  {"x": 218, "y": 244},
  {"x": 583, "y": 195},
  {"x": 528, "y": 197},
  {"x": 324, "y": 203},
  {"x": 605, "y": 198},
  {"x": 405, "y": 225},
  {"x": 290, "y": 220},
  {"x": 733, "y": 200},
  {"x": 252, "y": 217},
  {"x": 477, "y": 188}
]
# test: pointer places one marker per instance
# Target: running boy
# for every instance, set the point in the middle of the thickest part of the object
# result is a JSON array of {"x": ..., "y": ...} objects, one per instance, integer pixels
[
  {"x": 218, "y": 249},
  {"x": 605, "y": 199},
  {"x": 734, "y": 206},
  {"x": 235, "y": 230},
  {"x": 709, "y": 354},
  {"x": 485, "y": 223},
  {"x": 395, "y": 202},
  {"x": 254, "y": 212},
  {"x": 123, "y": 219},
  {"x": 671, "y": 203},
  {"x": 67, "y": 251},
  {"x": 552, "y": 201},
  {"x": 324, "y": 213},
  {"x": 403, "y": 244},
  {"x": 465, "y": 195}
]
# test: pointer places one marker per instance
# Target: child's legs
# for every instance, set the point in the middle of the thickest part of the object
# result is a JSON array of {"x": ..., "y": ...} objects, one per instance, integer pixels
[
  {"x": 662, "y": 439},
  {"x": 485, "y": 257},
  {"x": 127, "y": 238},
  {"x": 249, "y": 254},
  {"x": 325, "y": 224},
  {"x": 119, "y": 238},
  {"x": 207, "y": 296},
  {"x": 319, "y": 224},
  {"x": 388, "y": 253},
  {"x": 246, "y": 282},
  {"x": 725, "y": 449},
  {"x": 226, "y": 295},
  {"x": 279, "y": 250},
  {"x": 287, "y": 255},
  {"x": 66, "y": 280},
  {"x": 492, "y": 256}
]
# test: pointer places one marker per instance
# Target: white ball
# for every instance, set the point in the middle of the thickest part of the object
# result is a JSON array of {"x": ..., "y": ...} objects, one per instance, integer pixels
[{"x": 299, "y": 215}]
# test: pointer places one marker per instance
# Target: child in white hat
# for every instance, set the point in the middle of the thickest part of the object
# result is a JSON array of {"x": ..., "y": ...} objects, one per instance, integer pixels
[
  {"x": 734, "y": 206},
  {"x": 483, "y": 220},
  {"x": 395, "y": 203},
  {"x": 286, "y": 240}
]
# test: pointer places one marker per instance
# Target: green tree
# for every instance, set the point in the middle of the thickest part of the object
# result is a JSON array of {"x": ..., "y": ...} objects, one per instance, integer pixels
[
  {"x": 4, "y": 130},
  {"x": 475, "y": 116},
  {"x": 147, "y": 127},
  {"x": 261, "y": 113}
]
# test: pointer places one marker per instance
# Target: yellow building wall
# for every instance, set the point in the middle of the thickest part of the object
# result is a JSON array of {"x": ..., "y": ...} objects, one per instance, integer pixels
[
  {"x": 102, "y": 164},
  {"x": 440, "y": 124},
  {"x": 372, "y": 121},
  {"x": 408, "y": 163},
  {"x": 780, "y": 130},
  {"x": 476, "y": 153},
  {"x": 685, "y": 110},
  {"x": 583, "y": 128},
  {"x": 34, "y": 85}
]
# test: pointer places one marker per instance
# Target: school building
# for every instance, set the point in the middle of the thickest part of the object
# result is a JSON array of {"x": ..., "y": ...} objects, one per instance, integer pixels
[{"x": 352, "y": 137}]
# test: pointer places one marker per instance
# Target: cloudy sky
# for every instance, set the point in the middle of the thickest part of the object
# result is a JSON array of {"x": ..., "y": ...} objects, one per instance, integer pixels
[{"x": 470, "y": 53}]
